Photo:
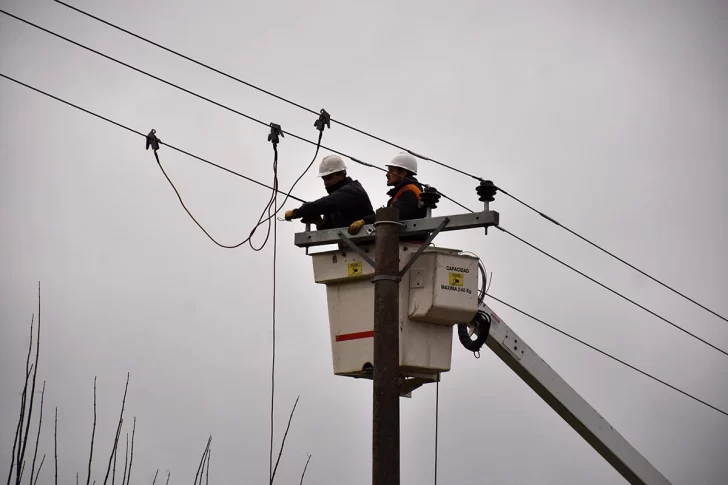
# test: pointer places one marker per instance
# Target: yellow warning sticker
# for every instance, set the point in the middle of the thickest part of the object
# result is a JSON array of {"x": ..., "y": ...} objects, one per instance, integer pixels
[
  {"x": 354, "y": 269},
  {"x": 456, "y": 279}
]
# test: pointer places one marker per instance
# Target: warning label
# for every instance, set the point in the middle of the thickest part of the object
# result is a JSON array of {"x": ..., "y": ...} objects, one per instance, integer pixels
[
  {"x": 354, "y": 269},
  {"x": 456, "y": 279},
  {"x": 459, "y": 289}
]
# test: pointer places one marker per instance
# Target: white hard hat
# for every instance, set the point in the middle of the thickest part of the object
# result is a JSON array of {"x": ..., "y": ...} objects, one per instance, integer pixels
[
  {"x": 404, "y": 160},
  {"x": 331, "y": 164}
]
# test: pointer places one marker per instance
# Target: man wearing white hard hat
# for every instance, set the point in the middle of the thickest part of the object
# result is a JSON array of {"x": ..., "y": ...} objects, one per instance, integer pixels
[
  {"x": 347, "y": 200},
  {"x": 405, "y": 192}
]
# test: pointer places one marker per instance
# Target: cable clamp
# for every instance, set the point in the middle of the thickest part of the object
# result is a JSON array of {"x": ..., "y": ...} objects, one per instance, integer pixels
[
  {"x": 153, "y": 141},
  {"x": 324, "y": 121},
  {"x": 275, "y": 132},
  {"x": 386, "y": 277}
]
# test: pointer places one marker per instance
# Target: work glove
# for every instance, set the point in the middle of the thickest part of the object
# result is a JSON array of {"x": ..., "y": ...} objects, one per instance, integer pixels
[
  {"x": 291, "y": 214},
  {"x": 356, "y": 226}
]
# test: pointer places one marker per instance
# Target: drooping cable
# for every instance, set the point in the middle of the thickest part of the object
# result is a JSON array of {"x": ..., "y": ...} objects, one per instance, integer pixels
[
  {"x": 395, "y": 145},
  {"x": 275, "y": 258},
  {"x": 606, "y": 354},
  {"x": 687, "y": 332}
]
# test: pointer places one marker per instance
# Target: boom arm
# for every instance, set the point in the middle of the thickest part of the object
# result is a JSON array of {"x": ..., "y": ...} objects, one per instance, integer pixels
[{"x": 540, "y": 377}]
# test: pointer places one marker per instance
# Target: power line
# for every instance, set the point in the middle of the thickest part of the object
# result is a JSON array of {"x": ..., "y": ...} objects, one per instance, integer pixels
[
  {"x": 185, "y": 90},
  {"x": 297, "y": 137},
  {"x": 611, "y": 290},
  {"x": 609, "y": 355},
  {"x": 143, "y": 135},
  {"x": 387, "y": 142},
  {"x": 204, "y": 98},
  {"x": 665, "y": 285}
]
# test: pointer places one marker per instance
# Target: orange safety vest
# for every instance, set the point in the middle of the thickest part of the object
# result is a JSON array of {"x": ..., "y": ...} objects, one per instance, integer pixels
[{"x": 407, "y": 187}]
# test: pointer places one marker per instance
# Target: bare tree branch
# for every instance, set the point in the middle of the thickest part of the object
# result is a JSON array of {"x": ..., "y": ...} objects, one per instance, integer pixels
[
  {"x": 15, "y": 457},
  {"x": 37, "y": 438},
  {"x": 207, "y": 473},
  {"x": 131, "y": 457},
  {"x": 55, "y": 445},
  {"x": 113, "y": 472},
  {"x": 118, "y": 431},
  {"x": 169, "y": 474},
  {"x": 304, "y": 469},
  {"x": 283, "y": 443},
  {"x": 93, "y": 436},
  {"x": 126, "y": 459},
  {"x": 37, "y": 476},
  {"x": 155, "y": 477},
  {"x": 32, "y": 392},
  {"x": 202, "y": 461}
]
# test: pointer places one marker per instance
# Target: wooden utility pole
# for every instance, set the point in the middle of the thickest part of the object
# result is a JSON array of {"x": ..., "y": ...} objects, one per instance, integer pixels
[{"x": 385, "y": 440}]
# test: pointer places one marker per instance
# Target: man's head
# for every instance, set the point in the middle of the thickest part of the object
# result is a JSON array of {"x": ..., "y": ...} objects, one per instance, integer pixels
[
  {"x": 332, "y": 170},
  {"x": 401, "y": 167}
]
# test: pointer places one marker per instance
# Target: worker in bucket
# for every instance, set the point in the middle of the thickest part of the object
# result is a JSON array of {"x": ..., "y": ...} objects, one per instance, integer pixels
[
  {"x": 347, "y": 200},
  {"x": 405, "y": 192}
]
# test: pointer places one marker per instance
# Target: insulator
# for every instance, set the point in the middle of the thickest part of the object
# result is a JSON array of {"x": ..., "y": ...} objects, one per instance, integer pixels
[
  {"x": 486, "y": 191},
  {"x": 430, "y": 197}
]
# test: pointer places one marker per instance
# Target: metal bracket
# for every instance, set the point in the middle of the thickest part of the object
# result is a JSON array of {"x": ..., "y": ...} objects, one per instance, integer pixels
[
  {"x": 387, "y": 277},
  {"x": 357, "y": 249},
  {"x": 411, "y": 228},
  {"x": 406, "y": 386},
  {"x": 424, "y": 246}
]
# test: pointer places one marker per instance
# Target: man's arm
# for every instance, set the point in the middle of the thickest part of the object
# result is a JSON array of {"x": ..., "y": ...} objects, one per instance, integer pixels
[{"x": 321, "y": 206}]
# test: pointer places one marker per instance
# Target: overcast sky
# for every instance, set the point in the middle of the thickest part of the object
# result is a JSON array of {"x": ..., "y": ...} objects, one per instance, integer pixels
[{"x": 609, "y": 116}]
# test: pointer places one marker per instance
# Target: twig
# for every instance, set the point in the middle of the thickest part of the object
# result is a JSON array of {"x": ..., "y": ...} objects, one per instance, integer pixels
[
  {"x": 55, "y": 445},
  {"x": 169, "y": 474},
  {"x": 131, "y": 457},
  {"x": 32, "y": 392},
  {"x": 76, "y": 478},
  {"x": 304, "y": 469},
  {"x": 15, "y": 458},
  {"x": 37, "y": 476},
  {"x": 37, "y": 438},
  {"x": 207, "y": 473},
  {"x": 283, "y": 443},
  {"x": 126, "y": 459},
  {"x": 202, "y": 461},
  {"x": 93, "y": 436},
  {"x": 155, "y": 477},
  {"x": 22, "y": 470},
  {"x": 118, "y": 431},
  {"x": 113, "y": 471}
]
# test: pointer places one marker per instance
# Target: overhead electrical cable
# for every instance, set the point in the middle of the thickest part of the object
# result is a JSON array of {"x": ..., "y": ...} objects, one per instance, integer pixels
[
  {"x": 204, "y": 98},
  {"x": 392, "y": 144},
  {"x": 606, "y": 354},
  {"x": 277, "y": 190},
  {"x": 687, "y": 332},
  {"x": 136, "y": 132}
]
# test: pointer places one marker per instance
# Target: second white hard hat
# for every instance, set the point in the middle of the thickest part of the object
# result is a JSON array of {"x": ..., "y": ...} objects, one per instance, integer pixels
[
  {"x": 406, "y": 161},
  {"x": 331, "y": 164}
]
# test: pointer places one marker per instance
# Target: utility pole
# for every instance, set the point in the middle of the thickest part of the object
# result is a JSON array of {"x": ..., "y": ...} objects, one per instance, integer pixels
[{"x": 385, "y": 439}]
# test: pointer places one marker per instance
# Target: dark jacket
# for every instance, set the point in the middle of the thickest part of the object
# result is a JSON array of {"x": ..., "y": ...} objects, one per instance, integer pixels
[
  {"x": 347, "y": 202},
  {"x": 408, "y": 201}
]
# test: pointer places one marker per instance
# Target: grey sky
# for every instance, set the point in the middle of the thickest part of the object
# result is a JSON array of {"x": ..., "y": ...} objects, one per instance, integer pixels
[{"x": 610, "y": 116}]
